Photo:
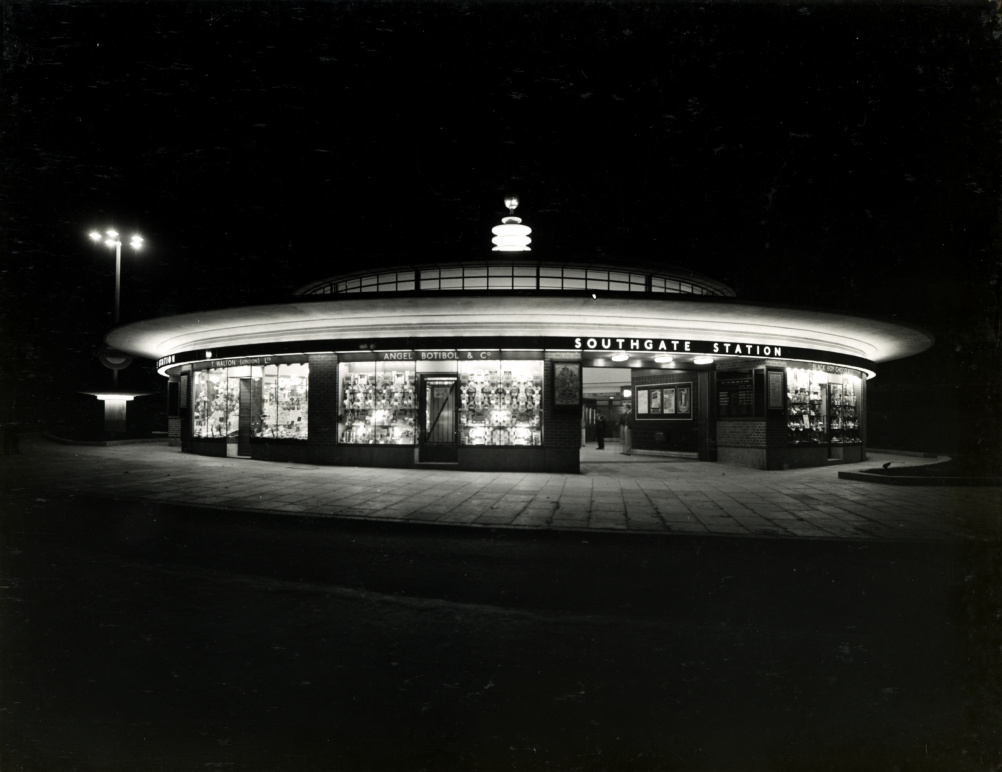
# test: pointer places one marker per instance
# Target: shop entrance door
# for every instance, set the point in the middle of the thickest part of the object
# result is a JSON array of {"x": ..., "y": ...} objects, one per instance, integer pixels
[
  {"x": 439, "y": 440},
  {"x": 244, "y": 418},
  {"x": 831, "y": 420}
]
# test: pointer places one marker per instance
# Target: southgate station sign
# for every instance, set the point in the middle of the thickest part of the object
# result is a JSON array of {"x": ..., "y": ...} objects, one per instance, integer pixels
[{"x": 662, "y": 345}]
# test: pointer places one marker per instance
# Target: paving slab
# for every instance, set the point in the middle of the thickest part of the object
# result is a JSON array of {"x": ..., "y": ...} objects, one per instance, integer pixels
[{"x": 613, "y": 493}]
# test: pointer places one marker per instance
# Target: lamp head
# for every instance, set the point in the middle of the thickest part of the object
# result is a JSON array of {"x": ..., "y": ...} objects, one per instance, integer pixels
[
  {"x": 511, "y": 235},
  {"x": 111, "y": 239}
]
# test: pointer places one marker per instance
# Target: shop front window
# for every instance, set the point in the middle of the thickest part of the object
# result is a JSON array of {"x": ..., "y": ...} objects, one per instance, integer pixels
[
  {"x": 822, "y": 408},
  {"x": 843, "y": 408},
  {"x": 806, "y": 419},
  {"x": 378, "y": 403},
  {"x": 213, "y": 403},
  {"x": 501, "y": 402},
  {"x": 280, "y": 401},
  {"x": 270, "y": 401}
]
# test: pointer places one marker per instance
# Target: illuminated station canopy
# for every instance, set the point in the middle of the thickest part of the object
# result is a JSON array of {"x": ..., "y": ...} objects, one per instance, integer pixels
[{"x": 598, "y": 310}]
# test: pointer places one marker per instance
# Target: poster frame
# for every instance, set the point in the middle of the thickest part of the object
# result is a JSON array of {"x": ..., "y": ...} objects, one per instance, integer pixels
[
  {"x": 671, "y": 400},
  {"x": 567, "y": 388}
]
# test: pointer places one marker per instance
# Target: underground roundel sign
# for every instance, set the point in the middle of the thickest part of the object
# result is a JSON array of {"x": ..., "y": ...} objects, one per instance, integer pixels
[{"x": 114, "y": 359}]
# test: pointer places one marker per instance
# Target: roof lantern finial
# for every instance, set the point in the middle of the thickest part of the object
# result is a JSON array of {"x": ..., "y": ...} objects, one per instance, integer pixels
[{"x": 511, "y": 235}]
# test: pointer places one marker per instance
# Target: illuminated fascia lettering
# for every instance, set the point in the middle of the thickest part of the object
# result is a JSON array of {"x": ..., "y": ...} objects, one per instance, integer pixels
[{"x": 661, "y": 344}]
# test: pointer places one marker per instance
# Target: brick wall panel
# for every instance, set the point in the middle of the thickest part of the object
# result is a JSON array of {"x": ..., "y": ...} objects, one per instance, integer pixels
[
  {"x": 742, "y": 434},
  {"x": 323, "y": 399}
]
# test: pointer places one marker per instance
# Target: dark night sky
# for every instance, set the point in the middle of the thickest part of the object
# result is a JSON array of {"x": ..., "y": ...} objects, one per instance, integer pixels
[{"x": 842, "y": 156}]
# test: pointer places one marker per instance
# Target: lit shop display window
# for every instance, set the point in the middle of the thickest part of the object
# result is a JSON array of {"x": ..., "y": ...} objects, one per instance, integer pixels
[
  {"x": 378, "y": 402},
  {"x": 501, "y": 403},
  {"x": 281, "y": 401},
  {"x": 843, "y": 411},
  {"x": 214, "y": 402},
  {"x": 270, "y": 401},
  {"x": 822, "y": 408}
]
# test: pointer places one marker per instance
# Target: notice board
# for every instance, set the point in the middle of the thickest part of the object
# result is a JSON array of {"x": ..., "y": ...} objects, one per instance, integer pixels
[{"x": 735, "y": 395}]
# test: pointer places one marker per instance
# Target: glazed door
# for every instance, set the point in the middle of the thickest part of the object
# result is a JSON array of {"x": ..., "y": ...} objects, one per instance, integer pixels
[
  {"x": 832, "y": 420},
  {"x": 439, "y": 441},
  {"x": 244, "y": 418}
]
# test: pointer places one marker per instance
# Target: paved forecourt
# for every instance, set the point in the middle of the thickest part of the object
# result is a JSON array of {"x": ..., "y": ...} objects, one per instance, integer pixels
[{"x": 613, "y": 493}]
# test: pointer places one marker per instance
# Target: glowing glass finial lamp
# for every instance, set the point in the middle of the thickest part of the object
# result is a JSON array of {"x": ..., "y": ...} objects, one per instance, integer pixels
[{"x": 511, "y": 235}]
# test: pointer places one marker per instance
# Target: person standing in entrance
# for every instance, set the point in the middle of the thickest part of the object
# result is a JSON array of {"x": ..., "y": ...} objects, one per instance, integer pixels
[
  {"x": 600, "y": 431},
  {"x": 626, "y": 430}
]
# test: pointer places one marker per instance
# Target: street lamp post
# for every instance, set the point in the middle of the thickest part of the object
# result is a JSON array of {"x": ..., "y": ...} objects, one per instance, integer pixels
[
  {"x": 115, "y": 401},
  {"x": 111, "y": 239}
]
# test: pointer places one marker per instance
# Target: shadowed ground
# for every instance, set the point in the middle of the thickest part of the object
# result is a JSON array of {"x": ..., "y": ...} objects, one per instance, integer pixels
[{"x": 145, "y": 634}]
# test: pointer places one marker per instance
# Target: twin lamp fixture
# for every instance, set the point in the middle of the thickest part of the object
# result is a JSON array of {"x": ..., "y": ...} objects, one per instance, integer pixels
[{"x": 112, "y": 239}]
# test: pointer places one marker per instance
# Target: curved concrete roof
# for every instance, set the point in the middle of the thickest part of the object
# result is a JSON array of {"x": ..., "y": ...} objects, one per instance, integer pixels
[{"x": 376, "y": 317}]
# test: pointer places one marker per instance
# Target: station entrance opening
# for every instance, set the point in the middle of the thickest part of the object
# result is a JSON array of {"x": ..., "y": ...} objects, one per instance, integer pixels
[
  {"x": 657, "y": 407},
  {"x": 603, "y": 395}
]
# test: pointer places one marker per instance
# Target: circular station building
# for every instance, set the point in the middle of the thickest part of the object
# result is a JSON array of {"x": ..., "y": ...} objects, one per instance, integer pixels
[{"x": 505, "y": 363}]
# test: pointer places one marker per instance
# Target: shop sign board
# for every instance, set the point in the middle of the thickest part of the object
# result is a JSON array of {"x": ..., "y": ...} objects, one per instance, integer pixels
[
  {"x": 434, "y": 355},
  {"x": 258, "y": 361},
  {"x": 835, "y": 369}
]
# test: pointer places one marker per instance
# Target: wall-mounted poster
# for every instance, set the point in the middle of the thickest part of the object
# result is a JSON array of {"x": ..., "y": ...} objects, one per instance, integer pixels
[
  {"x": 684, "y": 401},
  {"x": 776, "y": 390},
  {"x": 665, "y": 402},
  {"x": 567, "y": 384}
]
